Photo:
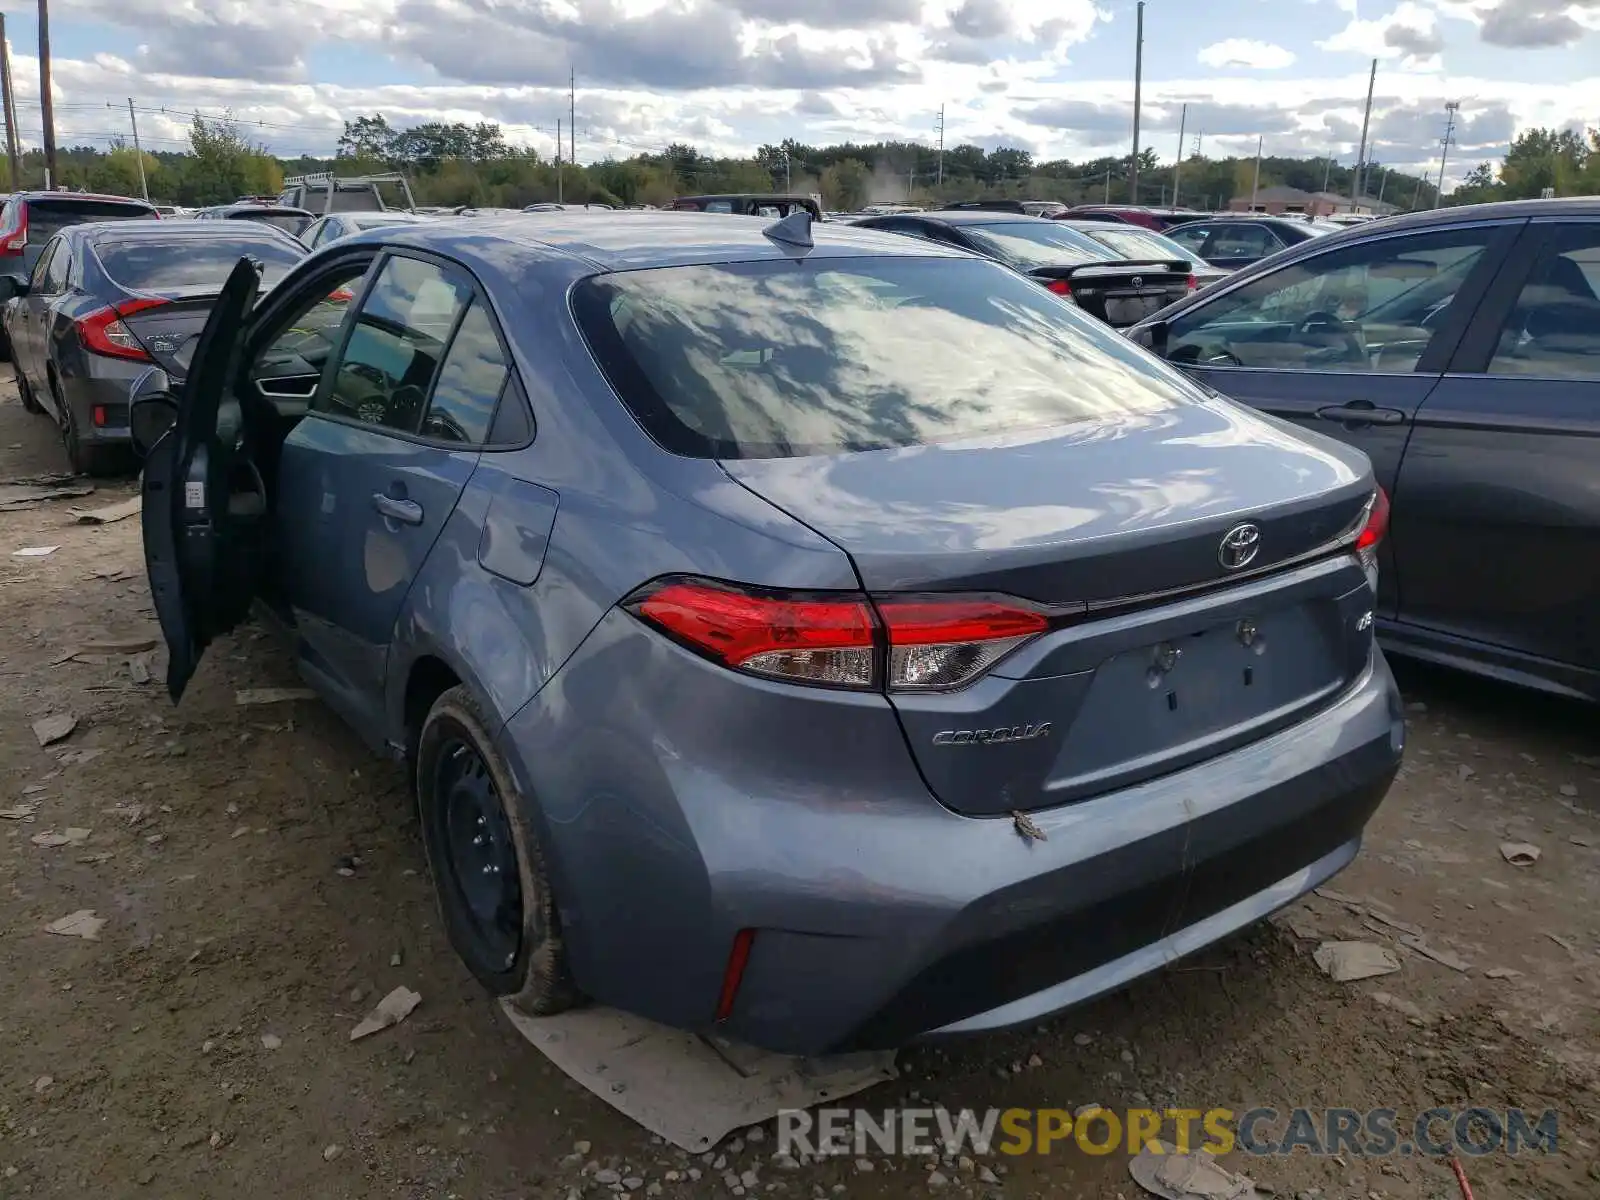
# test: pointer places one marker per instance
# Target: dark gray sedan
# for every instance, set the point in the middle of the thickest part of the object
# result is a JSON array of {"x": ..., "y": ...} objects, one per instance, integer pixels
[
  {"x": 1460, "y": 350},
  {"x": 107, "y": 300},
  {"x": 800, "y": 632}
]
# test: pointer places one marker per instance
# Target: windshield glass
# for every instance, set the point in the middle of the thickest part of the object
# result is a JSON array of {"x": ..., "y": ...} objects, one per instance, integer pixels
[
  {"x": 155, "y": 263},
  {"x": 290, "y": 222},
  {"x": 831, "y": 355},
  {"x": 1143, "y": 243},
  {"x": 1036, "y": 243}
]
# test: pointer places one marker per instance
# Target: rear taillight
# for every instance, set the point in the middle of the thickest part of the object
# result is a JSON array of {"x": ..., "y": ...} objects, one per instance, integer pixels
[
  {"x": 841, "y": 639},
  {"x": 1192, "y": 284},
  {"x": 13, "y": 241},
  {"x": 341, "y": 295},
  {"x": 1060, "y": 287},
  {"x": 1374, "y": 527},
  {"x": 102, "y": 331}
]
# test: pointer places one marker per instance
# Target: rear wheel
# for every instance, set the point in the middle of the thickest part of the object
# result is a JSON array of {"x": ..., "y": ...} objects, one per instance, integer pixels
[
  {"x": 86, "y": 458},
  {"x": 488, "y": 872},
  {"x": 30, "y": 402}
]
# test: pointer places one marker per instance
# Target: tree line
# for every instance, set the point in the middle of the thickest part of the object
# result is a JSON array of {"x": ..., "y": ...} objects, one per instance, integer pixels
[{"x": 454, "y": 164}]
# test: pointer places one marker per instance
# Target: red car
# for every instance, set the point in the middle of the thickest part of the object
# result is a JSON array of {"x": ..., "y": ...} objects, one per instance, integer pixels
[{"x": 1159, "y": 219}]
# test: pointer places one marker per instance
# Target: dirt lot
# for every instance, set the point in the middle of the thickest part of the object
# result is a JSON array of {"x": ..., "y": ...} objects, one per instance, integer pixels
[{"x": 262, "y": 884}]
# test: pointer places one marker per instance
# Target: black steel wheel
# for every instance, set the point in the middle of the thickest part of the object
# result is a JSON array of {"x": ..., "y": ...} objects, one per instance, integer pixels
[{"x": 488, "y": 873}]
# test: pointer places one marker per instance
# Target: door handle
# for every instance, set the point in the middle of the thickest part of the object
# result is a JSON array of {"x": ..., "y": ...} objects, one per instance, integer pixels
[
  {"x": 1361, "y": 413},
  {"x": 407, "y": 512}
]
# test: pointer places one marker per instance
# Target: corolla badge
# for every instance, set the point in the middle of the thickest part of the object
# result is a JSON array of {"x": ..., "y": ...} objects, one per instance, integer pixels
[
  {"x": 991, "y": 737},
  {"x": 1240, "y": 545}
]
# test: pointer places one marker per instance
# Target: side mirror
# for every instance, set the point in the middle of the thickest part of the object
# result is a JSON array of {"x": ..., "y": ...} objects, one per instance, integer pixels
[
  {"x": 1153, "y": 337},
  {"x": 152, "y": 409},
  {"x": 11, "y": 288}
]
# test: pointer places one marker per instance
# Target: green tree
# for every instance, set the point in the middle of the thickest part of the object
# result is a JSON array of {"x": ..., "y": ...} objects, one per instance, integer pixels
[
  {"x": 845, "y": 184},
  {"x": 368, "y": 138}
]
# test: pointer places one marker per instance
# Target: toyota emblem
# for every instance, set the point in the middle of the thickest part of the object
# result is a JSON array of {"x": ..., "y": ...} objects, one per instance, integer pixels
[
  {"x": 1137, "y": 281},
  {"x": 1240, "y": 545}
]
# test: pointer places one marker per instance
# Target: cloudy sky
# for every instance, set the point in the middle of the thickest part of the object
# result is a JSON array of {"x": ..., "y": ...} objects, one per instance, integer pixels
[{"x": 1055, "y": 78}]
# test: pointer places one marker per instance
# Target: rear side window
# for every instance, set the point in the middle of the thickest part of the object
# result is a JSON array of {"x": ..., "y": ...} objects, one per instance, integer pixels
[
  {"x": 470, "y": 382},
  {"x": 46, "y": 218},
  {"x": 783, "y": 359},
  {"x": 154, "y": 264}
]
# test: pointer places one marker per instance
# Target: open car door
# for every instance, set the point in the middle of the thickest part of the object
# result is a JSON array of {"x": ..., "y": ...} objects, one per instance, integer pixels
[{"x": 204, "y": 513}]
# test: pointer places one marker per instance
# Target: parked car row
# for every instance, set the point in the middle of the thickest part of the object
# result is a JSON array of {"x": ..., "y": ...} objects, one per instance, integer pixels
[{"x": 1052, "y": 653}]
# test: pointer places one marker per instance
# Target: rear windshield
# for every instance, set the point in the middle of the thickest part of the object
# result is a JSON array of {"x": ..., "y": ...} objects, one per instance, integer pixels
[
  {"x": 784, "y": 359},
  {"x": 1036, "y": 243},
  {"x": 1131, "y": 242},
  {"x": 289, "y": 222},
  {"x": 46, "y": 218},
  {"x": 154, "y": 264}
]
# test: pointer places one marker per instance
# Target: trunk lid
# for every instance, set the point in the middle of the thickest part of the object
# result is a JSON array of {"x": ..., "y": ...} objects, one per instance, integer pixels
[
  {"x": 1160, "y": 655},
  {"x": 1124, "y": 292},
  {"x": 171, "y": 330}
]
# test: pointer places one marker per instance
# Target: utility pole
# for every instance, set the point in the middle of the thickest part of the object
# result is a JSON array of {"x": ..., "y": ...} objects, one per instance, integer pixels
[
  {"x": 13, "y": 158},
  {"x": 1416, "y": 195},
  {"x": 1177, "y": 169},
  {"x": 1138, "y": 78},
  {"x": 1255, "y": 184},
  {"x": 1361, "y": 154},
  {"x": 788, "y": 181},
  {"x": 572, "y": 114},
  {"x": 138, "y": 152},
  {"x": 1327, "y": 172},
  {"x": 1450, "y": 110},
  {"x": 1384, "y": 182},
  {"x": 559, "y": 199},
  {"x": 940, "y": 176},
  {"x": 1108, "y": 184},
  {"x": 46, "y": 99}
]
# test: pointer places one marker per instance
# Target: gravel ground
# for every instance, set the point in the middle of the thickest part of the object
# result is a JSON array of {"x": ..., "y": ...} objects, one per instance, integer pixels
[{"x": 262, "y": 885}]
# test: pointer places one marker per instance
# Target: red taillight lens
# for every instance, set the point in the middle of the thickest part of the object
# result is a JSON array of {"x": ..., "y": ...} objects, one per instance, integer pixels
[
  {"x": 1059, "y": 286},
  {"x": 1377, "y": 525},
  {"x": 804, "y": 637},
  {"x": 14, "y": 238},
  {"x": 102, "y": 332},
  {"x": 902, "y": 643},
  {"x": 341, "y": 295},
  {"x": 943, "y": 642},
  {"x": 1193, "y": 283}
]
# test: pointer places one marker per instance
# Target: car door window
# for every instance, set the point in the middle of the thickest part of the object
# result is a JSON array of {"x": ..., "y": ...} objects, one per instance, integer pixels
[
  {"x": 470, "y": 382},
  {"x": 1553, "y": 329},
  {"x": 41, "y": 268},
  {"x": 1242, "y": 241},
  {"x": 1374, "y": 306},
  {"x": 55, "y": 277},
  {"x": 395, "y": 345},
  {"x": 295, "y": 359}
]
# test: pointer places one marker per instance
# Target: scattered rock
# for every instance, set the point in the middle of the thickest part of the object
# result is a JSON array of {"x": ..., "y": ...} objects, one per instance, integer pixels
[
  {"x": 42, "y": 1084},
  {"x": 216, "y": 1139},
  {"x": 985, "y": 1175},
  {"x": 18, "y": 812},
  {"x": 1519, "y": 854},
  {"x": 81, "y": 924},
  {"x": 271, "y": 1041},
  {"x": 1400, "y": 1005},
  {"x": 1345, "y": 962},
  {"x": 329, "y": 1153},
  {"x": 1464, "y": 772},
  {"x": 52, "y": 729},
  {"x": 391, "y": 1010},
  {"x": 1568, "y": 789},
  {"x": 938, "y": 1179},
  {"x": 1082, "y": 1039},
  {"x": 1503, "y": 973},
  {"x": 1162, "y": 1171},
  {"x": 606, "y": 1176},
  {"x": 581, "y": 1148},
  {"x": 50, "y": 839}
]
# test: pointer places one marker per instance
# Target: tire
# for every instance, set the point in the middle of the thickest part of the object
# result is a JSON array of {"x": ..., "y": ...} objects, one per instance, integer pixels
[
  {"x": 464, "y": 795},
  {"x": 87, "y": 458},
  {"x": 30, "y": 402}
]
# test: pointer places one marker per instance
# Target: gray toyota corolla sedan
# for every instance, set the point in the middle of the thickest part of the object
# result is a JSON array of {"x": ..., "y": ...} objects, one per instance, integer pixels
[{"x": 809, "y": 633}]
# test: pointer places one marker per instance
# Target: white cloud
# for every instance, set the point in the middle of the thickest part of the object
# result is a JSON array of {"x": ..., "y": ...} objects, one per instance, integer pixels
[
  {"x": 1409, "y": 33},
  {"x": 1243, "y": 52}
]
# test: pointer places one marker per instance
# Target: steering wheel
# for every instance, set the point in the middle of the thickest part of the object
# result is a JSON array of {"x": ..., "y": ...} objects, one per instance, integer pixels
[{"x": 1323, "y": 321}]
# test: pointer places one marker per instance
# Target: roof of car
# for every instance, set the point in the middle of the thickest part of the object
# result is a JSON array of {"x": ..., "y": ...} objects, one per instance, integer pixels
[
  {"x": 1501, "y": 210},
  {"x": 660, "y": 238},
  {"x": 385, "y": 216},
  {"x": 977, "y": 216},
  {"x": 171, "y": 228},
  {"x": 256, "y": 206},
  {"x": 96, "y": 196}
]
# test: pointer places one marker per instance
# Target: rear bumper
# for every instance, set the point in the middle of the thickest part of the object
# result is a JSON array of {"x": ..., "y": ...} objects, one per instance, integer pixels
[
  {"x": 102, "y": 390},
  {"x": 677, "y": 811}
]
